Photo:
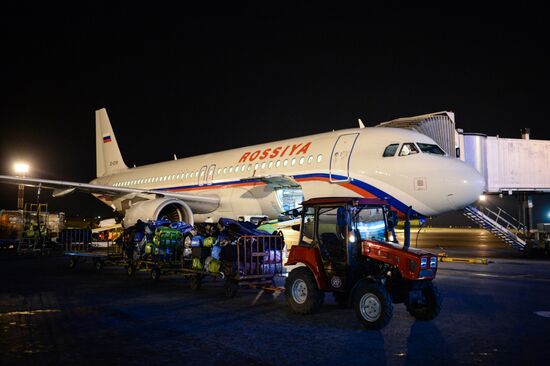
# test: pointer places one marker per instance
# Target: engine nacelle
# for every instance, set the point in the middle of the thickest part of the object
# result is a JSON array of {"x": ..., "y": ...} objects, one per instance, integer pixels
[{"x": 171, "y": 208}]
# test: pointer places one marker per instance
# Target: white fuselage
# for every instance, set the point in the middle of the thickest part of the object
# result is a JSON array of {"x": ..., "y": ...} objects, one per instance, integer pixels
[{"x": 335, "y": 164}]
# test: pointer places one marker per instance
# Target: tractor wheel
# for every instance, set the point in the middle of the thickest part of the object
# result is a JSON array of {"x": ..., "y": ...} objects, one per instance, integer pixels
[
  {"x": 302, "y": 294},
  {"x": 196, "y": 282},
  {"x": 98, "y": 265},
  {"x": 130, "y": 270},
  {"x": 373, "y": 306},
  {"x": 230, "y": 288},
  {"x": 155, "y": 274},
  {"x": 430, "y": 307}
]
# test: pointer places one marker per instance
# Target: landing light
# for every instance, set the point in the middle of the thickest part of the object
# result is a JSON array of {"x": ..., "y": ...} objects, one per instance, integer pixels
[
  {"x": 482, "y": 197},
  {"x": 351, "y": 238}
]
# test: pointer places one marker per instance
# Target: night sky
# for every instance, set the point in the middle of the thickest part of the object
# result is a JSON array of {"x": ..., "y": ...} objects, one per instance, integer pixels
[{"x": 190, "y": 81}]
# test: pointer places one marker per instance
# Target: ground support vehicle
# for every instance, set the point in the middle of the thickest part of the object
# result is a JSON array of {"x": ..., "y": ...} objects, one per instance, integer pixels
[
  {"x": 33, "y": 230},
  {"x": 251, "y": 261},
  {"x": 80, "y": 248},
  {"x": 345, "y": 249}
]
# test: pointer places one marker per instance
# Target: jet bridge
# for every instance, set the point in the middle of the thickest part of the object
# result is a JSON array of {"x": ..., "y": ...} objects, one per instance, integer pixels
[{"x": 518, "y": 167}]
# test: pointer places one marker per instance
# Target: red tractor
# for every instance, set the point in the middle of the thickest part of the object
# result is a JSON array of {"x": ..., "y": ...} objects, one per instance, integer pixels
[{"x": 345, "y": 249}]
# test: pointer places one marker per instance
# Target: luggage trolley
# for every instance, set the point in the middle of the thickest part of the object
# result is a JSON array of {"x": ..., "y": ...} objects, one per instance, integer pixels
[
  {"x": 80, "y": 248},
  {"x": 253, "y": 262},
  {"x": 169, "y": 262}
]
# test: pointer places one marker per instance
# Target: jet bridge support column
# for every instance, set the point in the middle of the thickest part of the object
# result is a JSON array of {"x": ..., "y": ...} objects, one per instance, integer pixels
[{"x": 526, "y": 210}]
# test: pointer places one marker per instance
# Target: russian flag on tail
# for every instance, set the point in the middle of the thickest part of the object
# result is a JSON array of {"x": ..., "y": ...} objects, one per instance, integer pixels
[{"x": 107, "y": 138}]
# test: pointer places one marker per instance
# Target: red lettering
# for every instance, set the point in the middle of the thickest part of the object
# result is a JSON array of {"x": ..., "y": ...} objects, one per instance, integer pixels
[
  {"x": 255, "y": 155},
  {"x": 275, "y": 152},
  {"x": 284, "y": 151},
  {"x": 243, "y": 158},
  {"x": 265, "y": 153},
  {"x": 294, "y": 147},
  {"x": 304, "y": 148}
]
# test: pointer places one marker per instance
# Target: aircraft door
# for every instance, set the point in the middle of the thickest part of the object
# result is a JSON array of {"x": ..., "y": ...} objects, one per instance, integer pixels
[
  {"x": 202, "y": 175},
  {"x": 340, "y": 158},
  {"x": 210, "y": 174}
]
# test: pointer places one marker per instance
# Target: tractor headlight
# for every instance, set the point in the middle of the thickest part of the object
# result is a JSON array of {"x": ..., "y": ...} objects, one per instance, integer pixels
[
  {"x": 424, "y": 262},
  {"x": 433, "y": 262}
]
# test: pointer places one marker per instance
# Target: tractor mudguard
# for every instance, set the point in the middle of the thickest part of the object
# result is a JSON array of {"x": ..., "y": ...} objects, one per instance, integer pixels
[{"x": 311, "y": 257}]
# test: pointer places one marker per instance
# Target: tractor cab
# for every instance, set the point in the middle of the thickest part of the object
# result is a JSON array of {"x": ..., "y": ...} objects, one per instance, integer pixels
[
  {"x": 348, "y": 245},
  {"x": 336, "y": 228}
]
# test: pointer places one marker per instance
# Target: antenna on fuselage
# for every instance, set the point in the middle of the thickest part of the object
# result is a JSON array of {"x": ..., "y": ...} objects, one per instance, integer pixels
[
  {"x": 175, "y": 157},
  {"x": 361, "y": 124}
]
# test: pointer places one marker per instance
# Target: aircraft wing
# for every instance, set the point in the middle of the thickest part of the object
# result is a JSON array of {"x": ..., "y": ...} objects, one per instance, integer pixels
[
  {"x": 279, "y": 181},
  {"x": 62, "y": 188}
]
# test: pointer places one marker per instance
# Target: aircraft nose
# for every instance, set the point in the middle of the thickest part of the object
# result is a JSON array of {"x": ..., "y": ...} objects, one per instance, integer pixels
[{"x": 464, "y": 185}]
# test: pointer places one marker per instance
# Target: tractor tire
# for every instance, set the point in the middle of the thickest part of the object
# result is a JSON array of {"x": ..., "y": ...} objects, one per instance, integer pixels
[
  {"x": 432, "y": 306},
  {"x": 155, "y": 274},
  {"x": 373, "y": 306},
  {"x": 98, "y": 264},
  {"x": 131, "y": 270},
  {"x": 230, "y": 288},
  {"x": 196, "y": 282},
  {"x": 302, "y": 294}
]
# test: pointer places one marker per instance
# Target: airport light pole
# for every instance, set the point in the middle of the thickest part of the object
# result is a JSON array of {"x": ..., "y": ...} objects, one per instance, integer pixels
[{"x": 20, "y": 170}]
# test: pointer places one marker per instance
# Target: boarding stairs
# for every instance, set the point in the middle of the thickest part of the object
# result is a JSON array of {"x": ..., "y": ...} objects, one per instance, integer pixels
[{"x": 501, "y": 224}]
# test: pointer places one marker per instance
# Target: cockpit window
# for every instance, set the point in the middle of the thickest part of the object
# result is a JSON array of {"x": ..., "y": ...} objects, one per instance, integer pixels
[
  {"x": 390, "y": 150},
  {"x": 430, "y": 148},
  {"x": 408, "y": 148}
]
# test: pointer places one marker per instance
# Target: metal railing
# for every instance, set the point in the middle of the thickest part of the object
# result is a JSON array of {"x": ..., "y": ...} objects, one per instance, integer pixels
[
  {"x": 504, "y": 219},
  {"x": 259, "y": 256}
]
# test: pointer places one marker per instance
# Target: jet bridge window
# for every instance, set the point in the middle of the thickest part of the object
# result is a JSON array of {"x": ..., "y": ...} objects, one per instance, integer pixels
[
  {"x": 408, "y": 148},
  {"x": 430, "y": 148},
  {"x": 390, "y": 150}
]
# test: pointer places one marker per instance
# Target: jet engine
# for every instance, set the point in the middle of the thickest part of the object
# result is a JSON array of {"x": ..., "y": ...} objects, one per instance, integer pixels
[{"x": 170, "y": 208}]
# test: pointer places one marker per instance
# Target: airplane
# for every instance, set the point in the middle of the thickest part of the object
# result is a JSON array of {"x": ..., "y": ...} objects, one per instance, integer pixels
[{"x": 405, "y": 168}]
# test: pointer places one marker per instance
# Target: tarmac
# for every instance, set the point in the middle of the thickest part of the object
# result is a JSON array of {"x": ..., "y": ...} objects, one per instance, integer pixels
[{"x": 50, "y": 315}]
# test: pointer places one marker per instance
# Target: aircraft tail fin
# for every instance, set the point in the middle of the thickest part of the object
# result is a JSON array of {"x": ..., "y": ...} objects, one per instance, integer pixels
[{"x": 108, "y": 157}]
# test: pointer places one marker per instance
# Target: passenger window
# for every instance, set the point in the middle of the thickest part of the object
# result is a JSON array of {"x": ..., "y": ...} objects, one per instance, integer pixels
[
  {"x": 270, "y": 164},
  {"x": 319, "y": 158},
  {"x": 302, "y": 159},
  {"x": 237, "y": 169},
  {"x": 263, "y": 165},
  {"x": 285, "y": 163},
  {"x": 278, "y": 164},
  {"x": 408, "y": 149},
  {"x": 310, "y": 159},
  {"x": 293, "y": 161},
  {"x": 231, "y": 169},
  {"x": 390, "y": 150}
]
